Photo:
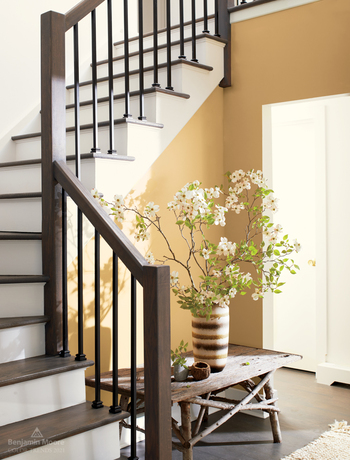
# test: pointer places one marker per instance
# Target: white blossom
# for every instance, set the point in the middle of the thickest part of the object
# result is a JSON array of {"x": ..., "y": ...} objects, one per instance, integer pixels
[
  {"x": 150, "y": 258},
  {"x": 174, "y": 277},
  {"x": 118, "y": 200},
  {"x": 151, "y": 209},
  {"x": 297, "y": 246},
  {"x": 224, "y": 301},
  {"x": 205, "y": 253}
]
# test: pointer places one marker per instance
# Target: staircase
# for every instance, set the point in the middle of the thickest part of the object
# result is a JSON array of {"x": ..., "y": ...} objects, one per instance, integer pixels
[{"x": 42, "y": 395}]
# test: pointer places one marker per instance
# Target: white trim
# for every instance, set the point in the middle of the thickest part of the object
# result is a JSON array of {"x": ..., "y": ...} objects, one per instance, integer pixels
[
  {"x": 266, "y": 8},
  {"x": 328, "y": 373}
]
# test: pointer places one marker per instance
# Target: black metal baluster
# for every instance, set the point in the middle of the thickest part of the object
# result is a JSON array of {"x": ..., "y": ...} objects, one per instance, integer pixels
[
  {"x": 76, "y": 100},
  {"x": 133, "y": 368},
  {"x": 194, "y": 50},
  {"x": 141, "y": 74},
  {"x": 94, "y": 84},
  {"x": 110, "y": 78},
  {"x": 205, "y": 15},
  {"x": 97, "y": 403},
  {"x": 126, "y": 61},
  {"x": 217, "y": 19},
  {"x": 64, "y": 352},
  {"x": 80, "y": 356},
  {"x": 155, "y": 44},
  {"x": 168, "y": 44},
  {"x": 115, "y": 408},
  {"x": 182, "y": 38}
]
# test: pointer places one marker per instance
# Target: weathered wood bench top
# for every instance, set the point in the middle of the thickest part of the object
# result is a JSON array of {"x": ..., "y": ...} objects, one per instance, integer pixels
[{"x": 236, "y": 371}]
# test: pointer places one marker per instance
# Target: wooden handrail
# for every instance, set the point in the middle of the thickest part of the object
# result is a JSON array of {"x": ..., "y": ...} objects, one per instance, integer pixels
[
  {"x": 79, "y": 11},
  {"x": 110, "y": 232}
]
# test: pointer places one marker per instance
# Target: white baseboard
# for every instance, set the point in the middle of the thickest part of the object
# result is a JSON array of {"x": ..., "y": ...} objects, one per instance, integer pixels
[{"x": 328, "y": 373}]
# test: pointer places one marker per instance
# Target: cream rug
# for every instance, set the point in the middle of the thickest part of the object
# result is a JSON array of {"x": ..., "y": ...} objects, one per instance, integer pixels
[{"x": 331, "y": 445}]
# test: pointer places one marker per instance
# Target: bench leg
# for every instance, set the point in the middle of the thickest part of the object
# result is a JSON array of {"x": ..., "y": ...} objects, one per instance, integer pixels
[
  {"x": 124, "y": 406},
  {"x": 186, "y": 429},
  {"x": 275, "y": 424}
]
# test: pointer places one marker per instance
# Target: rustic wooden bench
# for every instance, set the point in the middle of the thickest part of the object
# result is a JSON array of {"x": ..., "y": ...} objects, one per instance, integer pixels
[{"x": 243, "y": 365}]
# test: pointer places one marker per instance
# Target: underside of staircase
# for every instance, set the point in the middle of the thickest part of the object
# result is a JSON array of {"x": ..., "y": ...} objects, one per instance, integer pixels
[{"x": 42, "y": 397}]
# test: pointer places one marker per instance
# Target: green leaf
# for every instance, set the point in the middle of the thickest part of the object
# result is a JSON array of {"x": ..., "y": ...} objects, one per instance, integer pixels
[
  {"x": 277, "y": 291},
  {"x": 179, "y": 222},
  {"x": 276, "y": 252}
]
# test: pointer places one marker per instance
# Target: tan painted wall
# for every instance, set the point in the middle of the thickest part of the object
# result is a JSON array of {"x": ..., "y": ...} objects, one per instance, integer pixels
[{"x": 295, "y": 54}]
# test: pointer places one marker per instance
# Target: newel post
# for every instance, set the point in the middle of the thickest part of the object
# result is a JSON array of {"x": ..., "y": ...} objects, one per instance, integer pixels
[
  {"x": 156, "y": 300},
  {"x": 225, "y": 32},
  {"x": 53, "y": 145}
]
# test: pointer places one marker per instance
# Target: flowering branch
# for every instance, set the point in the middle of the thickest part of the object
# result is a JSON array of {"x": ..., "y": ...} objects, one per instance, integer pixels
[{"x": 221, "y": 278}]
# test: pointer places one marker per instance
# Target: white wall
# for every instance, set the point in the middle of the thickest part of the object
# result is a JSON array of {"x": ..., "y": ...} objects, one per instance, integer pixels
[{"x": 20, "y": 57}]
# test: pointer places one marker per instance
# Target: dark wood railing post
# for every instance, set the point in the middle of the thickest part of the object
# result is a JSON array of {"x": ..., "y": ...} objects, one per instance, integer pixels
[
  {"x": 224, "y": 27},
  {"x": 156, "y": 294},
  {"x": 53, "y": 147}
]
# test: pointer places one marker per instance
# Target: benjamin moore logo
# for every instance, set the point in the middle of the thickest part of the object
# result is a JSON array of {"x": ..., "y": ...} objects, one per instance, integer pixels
[{"x": 37, "y": 433}]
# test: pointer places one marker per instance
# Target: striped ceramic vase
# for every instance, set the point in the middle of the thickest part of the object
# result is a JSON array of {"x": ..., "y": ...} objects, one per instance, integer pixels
[{"x": 210, "y": 338}]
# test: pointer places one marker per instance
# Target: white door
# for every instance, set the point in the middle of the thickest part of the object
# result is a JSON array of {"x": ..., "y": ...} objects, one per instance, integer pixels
[{"x": 294, "y": 162}]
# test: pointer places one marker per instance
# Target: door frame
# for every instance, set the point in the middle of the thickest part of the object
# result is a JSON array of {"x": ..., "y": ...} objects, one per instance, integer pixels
[{"x": 321, "y": 225}]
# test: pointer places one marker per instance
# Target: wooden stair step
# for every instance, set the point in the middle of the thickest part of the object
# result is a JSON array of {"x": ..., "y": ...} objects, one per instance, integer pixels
[
  {"x": 38, "y": 367},
  {"x": 15, "y": 196},
  {"x": 20, "y": 236},
  {"x": 55, "y": 426},
  {"x": 101, "y": 124},
  {"x": 155, "y": 89},
  {"x": 83, "y": 156},
  {"x": 19, "y": 279},
  {"x": 17, "y": 321}
]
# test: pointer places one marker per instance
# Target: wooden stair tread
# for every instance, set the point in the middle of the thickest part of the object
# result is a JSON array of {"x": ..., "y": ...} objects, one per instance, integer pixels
[
  {"x": 83, "y": 156},
  {"x": 55, "y": 426},
  {"x": 147, "y": 69},
  {"x": 11, "y": 196},
  {"x": 16, "y": 321},
  {"x": 20, "y": 236},
  {"x": 155, "y": 89},
  {"x": 19, "y": 279},
  {"x": 100, "y": 125},
  {"x": 37, "y": 367}
]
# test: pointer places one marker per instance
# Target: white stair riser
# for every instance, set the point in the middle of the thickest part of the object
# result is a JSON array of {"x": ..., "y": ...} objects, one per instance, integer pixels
[
  {"x": 120, "y": 134},
  {"x": 40, "y": 396},
  {"x": 21, "y": 299},
  {"x": 98, "y": 444},
  {"x": 33, "y": 175},
  {"x": 21, "y": 215},
  {"x": 20, "y": 179},
  {"x": 22, "y": 342},
  {"x": 22, "y": 257}
]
